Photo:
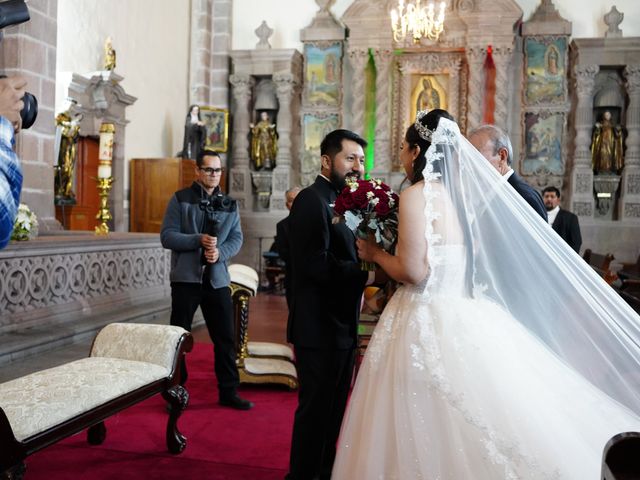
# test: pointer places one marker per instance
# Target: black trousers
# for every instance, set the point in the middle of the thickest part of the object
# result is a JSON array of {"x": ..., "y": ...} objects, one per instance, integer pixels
[
  {"x": 325, "y": 378},
  {"x": 217, "y": 309}
]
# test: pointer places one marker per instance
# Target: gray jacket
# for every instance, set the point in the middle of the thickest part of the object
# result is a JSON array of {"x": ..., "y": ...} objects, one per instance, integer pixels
[{"x": 183, "y": 224}]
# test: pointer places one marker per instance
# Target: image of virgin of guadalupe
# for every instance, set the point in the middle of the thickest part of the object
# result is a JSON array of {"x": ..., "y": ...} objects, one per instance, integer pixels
[
  {"x": 194, "y": 134},
  {"x": 429, "y": 98},
  {"x": 553, "y": 55}
]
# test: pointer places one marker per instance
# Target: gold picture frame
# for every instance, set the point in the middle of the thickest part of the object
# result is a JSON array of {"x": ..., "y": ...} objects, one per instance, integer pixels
[{"x": 216, "y": 121}]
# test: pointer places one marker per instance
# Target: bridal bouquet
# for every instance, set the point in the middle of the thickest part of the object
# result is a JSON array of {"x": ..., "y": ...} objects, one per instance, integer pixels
[
  {"x": 26, "y": 225},
  {"x": 369, "y": 207}
]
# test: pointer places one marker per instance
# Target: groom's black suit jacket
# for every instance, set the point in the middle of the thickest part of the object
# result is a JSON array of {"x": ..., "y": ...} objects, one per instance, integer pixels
[
  {"x": 327, "y": 281},
  {"x": 567, "y": 226},
  {"x": 527, "y": 192}
]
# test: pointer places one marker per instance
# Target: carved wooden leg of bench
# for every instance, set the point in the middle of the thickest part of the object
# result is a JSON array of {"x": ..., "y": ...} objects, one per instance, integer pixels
[
  {"x": 96, "y": 434},
  {"x": 178, "y": 398},
  {"x": 14, "y": 473}
]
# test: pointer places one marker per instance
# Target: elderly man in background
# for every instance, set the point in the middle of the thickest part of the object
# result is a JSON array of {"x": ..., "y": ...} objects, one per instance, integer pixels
[
  {"x": 495, "y": 146},
  {"x": 282, "y": 242}
]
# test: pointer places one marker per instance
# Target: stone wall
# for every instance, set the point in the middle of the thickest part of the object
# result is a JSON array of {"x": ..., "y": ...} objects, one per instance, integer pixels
[
  {"x": 56, "y": 288},
  {"x": 29, "y": 49}
]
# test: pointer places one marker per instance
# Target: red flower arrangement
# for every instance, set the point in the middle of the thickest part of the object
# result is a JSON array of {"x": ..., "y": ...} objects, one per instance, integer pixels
[{"x": 369, "y": 207}]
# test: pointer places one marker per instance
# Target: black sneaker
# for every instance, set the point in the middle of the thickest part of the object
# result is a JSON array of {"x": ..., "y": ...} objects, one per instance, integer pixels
[{"x": 234, "y": 401}]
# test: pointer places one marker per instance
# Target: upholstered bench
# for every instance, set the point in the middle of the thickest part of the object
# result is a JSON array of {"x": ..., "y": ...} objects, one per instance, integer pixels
[{"x": 128, "y": 363}]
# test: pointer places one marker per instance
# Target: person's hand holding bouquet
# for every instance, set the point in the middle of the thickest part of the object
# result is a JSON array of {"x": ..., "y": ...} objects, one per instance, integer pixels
[{"x": 370, "y": 209}]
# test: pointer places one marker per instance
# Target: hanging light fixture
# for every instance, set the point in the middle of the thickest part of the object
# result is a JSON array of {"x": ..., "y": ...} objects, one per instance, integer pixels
[{"x": 417, "y": 20}]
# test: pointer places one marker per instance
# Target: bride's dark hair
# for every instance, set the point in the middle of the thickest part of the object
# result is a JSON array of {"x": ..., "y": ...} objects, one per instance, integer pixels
[{"x": 413, "y": 138}]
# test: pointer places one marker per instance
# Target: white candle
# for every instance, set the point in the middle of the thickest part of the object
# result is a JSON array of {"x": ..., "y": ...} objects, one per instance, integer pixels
[
  {"x": 106, "y": 146},
  {"x": 104, "y": 171}
]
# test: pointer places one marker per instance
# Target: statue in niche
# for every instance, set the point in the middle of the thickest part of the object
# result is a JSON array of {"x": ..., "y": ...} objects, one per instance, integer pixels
[
  {"x": 429, "y": 98},
  {"x": 264, "y": 143},
  {"x": 68, "y": 132},
  {"x": 607, "y": 146},
  {"x": 194, "y": 134},
  {"x": 109, "y": 55}
]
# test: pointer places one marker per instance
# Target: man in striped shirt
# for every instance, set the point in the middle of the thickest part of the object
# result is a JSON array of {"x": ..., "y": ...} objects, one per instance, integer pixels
[{"x": 11, "y": 92}]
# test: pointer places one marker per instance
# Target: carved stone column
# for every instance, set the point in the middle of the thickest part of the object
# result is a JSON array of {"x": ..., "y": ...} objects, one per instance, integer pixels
[
  {"x": 455, "y": 74},
  {"x": 502, "y": 56},
  {"x": 285, "y": 88},
  {"x": 240, "y": 187},
  {"x": 581, "y": 193},
  {"x": 358, "y": 59},
  {"x": 475, "y": 59},
  {"x": 630, "y": 192},
  {"x": 383, "y": 60}
]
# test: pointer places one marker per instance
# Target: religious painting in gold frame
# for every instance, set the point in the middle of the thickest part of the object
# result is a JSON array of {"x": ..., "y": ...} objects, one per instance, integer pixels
[
  {"x": 543, "y": 132},
  {"x": 323, "y": 73},
  {"x": 216, "y": 122},
  {"x": 545, "y": 61},
  {"x": 428, "y": 92}
]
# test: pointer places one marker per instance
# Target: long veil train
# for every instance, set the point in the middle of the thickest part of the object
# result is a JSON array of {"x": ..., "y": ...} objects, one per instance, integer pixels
[{"x": 519, "y": 262}]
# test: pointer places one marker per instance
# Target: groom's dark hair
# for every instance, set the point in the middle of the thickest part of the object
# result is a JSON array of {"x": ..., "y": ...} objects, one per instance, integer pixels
[{"x": 332, "y": 143}]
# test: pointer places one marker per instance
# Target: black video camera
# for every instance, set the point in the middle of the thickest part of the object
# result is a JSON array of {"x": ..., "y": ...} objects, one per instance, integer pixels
[
  {"x": 14, "y": 12},
  {"x": 218, "y": 202}
]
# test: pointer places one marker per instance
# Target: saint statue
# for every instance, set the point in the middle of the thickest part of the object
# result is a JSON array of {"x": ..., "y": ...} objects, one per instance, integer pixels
[
  {"x": 429, "y": 98},
  {"x": 264, "y": 143},
  {"x": 109, "y": 55},
  {"x": 68, "y": 131},
  {"x": 607, "y": 146},
  {"x": 194, "y": 134}
]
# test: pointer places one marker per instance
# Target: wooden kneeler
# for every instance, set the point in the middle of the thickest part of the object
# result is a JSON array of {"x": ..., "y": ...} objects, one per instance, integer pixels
[{"x": 258, "y": 362}]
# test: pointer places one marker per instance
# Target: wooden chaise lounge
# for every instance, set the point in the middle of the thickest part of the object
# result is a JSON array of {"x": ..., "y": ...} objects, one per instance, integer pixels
[{"x": 128, "y": 363}]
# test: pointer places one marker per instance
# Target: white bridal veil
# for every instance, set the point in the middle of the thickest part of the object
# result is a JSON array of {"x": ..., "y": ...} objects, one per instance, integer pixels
[{"x": 515, "y": 259}]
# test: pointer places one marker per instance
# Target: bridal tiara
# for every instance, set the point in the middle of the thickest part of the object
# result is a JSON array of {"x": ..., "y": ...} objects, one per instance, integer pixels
[{"x": 424, "y": 131}]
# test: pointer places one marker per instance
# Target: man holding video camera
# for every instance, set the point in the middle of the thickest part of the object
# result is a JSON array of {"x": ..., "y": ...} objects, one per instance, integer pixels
[
  {"x": 201, "y": 227},
  {"x": 12, "y": 91}
]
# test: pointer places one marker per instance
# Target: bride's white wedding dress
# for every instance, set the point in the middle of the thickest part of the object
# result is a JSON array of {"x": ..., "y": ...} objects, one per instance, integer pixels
[
  {"x": 452, "y": 388},
  {"x": 462, "y": 387}
]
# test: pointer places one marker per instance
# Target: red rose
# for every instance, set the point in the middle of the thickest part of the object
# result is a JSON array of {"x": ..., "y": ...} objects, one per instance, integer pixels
[
  {"x": 360, "y": 199},
  {"x": 382, "y": 209}
]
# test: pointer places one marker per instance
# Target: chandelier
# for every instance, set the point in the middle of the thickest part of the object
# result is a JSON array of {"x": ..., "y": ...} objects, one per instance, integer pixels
[{"x": 417, "y": 20}]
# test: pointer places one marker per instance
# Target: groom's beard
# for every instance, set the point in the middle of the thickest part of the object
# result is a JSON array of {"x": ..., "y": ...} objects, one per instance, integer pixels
[{"x": 340, "y": 181}]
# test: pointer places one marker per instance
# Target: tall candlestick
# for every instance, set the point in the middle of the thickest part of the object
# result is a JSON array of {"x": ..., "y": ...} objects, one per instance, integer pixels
[
  {"x": 105, "y": 150},
  {"x": 105, "y": 156}
]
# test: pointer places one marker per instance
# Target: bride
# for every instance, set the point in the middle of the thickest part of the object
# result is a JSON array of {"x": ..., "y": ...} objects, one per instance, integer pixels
[{"x": 503, "y": 355}]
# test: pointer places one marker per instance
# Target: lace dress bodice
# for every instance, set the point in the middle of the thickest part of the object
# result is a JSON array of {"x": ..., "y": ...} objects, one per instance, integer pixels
[{"x": 446, "y": 273}]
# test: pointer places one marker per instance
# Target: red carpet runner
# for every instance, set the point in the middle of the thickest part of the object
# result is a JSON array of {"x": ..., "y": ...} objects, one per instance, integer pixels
[{"x": 221, "y": 443}]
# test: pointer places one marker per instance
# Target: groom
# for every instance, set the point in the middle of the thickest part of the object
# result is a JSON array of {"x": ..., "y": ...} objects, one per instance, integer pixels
[{"x": 327, "y": 288}]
